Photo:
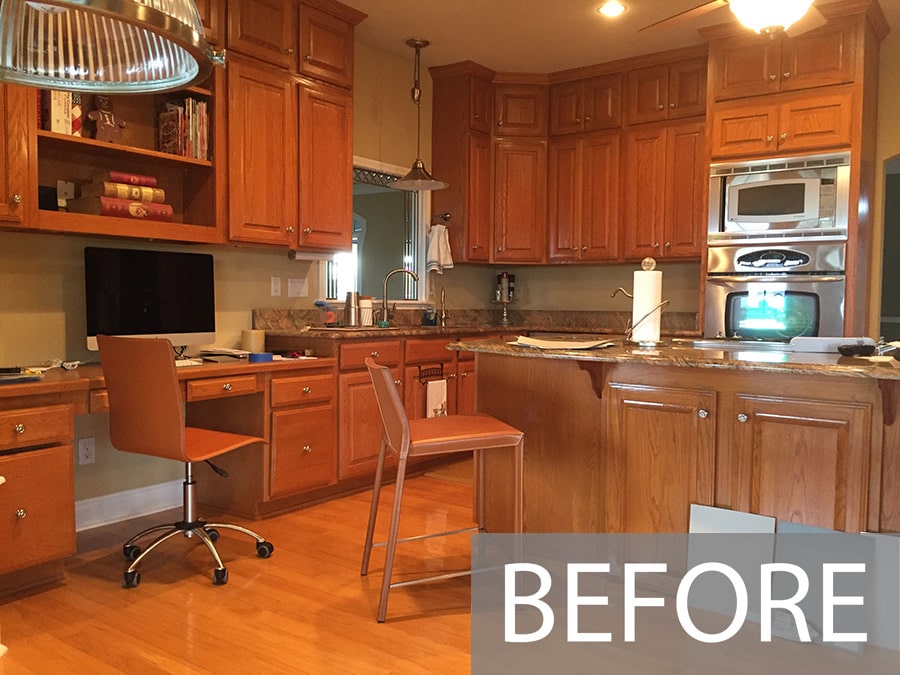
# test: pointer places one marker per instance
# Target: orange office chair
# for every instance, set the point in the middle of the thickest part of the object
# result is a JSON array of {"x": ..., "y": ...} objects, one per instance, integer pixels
[
  {"x": 146, "y": 416},
  {"x": 432, "y": 436}
]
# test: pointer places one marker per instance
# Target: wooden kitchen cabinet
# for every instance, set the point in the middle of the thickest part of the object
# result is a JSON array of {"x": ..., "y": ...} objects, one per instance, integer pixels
[
  {"x": 520, "y": 200},
  {"x": 786, "y": 124},
  {"x": 15, "y": 188},
  {"x": 326, "y": 44},
  {"x": 264, "y": 29},
  {"x": 665, "y": 191},
  {"x": 427, "y": 359},
  {"x": 583, "y": 198},
  {"x": 662, "y": 92},
  {"x": 521, "y": 109},
  {"x": 212, "y": 16},
  {"x": 586, "y": 105},
  {"x": 754, "y": 65}
]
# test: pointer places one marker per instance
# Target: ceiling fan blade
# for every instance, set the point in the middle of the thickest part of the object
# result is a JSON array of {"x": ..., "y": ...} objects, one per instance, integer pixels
[
  {"x": 675, "y": 19},
  {"x": 811, "y": 20}
]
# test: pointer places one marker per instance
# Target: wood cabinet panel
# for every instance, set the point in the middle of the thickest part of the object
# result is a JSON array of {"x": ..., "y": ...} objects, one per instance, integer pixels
[
  {"x": 564, "y": 199},
  {"x": 686, "y": 191},
  {"x": 15, "y": 188},
  {"x": 264, "y": 29},
  {"x": 359, "y": 424},
  {"x": 416, "y": 389},
  {"x": 744, "y": 66},
  {"x": 819, "y": 122},
  {"x": 326, "y": 46},
  {"x": 662, "y": 92},
  {"x": 302, "y": 390},
  {"x": 479, "y": 202},
  {"x": 35, "y": 426},
  {"x": 326, "y": 166},
  {"x": 221, "y": 387},
  {"x": 586, "y": 105},
  {"x": 644, "y": 206},
  {"x": 520, "y": 200},
  {"x": 303, "y": 454},
  {"x": 385, "y": 352},
  {"x": 521, "y": 109},
  {"x": 212, "y": 16},
  {"x": 262, "y": 184}
]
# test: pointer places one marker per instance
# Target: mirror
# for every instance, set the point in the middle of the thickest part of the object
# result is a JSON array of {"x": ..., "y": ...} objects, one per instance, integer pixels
[{"x": 388, "y": 233}]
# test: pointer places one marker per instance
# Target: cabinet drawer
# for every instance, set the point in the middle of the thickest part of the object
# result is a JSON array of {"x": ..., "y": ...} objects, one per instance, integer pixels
[
  {"x": 220, "y": 387},
  {"x": 354, "y": 354},
  {"x": 37, "y": 507},
  {"x": 301, "y": 390},
  {"x": 420, "y": 351},
  {"x": 304, "y": 449},
  {"x": 36, "y": 426}
]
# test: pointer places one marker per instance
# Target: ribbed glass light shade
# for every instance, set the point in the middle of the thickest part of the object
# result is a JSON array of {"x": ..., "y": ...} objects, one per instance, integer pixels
[
  {"x": 111, "y": 46},
  {"x": 769, "y": 15}
]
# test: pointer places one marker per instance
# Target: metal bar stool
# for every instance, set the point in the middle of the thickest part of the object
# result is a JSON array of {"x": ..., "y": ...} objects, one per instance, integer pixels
[{"x": 432, "y": 436}]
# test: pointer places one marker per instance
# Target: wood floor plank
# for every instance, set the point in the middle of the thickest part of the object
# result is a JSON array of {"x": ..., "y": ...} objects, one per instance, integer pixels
[{"x": 304, "y": 610}]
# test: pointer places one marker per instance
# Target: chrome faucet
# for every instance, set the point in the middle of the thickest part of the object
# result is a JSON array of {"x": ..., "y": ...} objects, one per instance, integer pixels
[
  {"x": 444, "y": 314},
  {"x": 384, "y": 300}
]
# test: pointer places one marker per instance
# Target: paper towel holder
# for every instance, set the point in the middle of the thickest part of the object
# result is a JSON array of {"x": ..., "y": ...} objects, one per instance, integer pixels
[{"x": 629, "y": 327}]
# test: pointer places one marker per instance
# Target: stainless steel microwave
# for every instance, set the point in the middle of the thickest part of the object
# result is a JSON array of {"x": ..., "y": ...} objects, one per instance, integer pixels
[{"x": 807, "y": 196}]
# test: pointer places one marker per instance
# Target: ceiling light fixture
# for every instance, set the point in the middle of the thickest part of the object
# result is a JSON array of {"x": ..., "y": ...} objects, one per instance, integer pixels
[
  {"x": 611, "y": 9},
  {"x": 104, "y": 46},
  {"x": 418, "y": 177},
  {"x": 769, "y": 16}
]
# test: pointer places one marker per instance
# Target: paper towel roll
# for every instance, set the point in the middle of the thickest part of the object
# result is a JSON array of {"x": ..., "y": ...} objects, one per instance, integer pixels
[
  {"x": 253, "y": 340},
  {"x": 647, "y": 295}
]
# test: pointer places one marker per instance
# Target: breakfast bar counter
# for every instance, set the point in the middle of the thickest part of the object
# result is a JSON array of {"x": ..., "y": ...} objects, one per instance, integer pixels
[{"x": 625, "y": 439}]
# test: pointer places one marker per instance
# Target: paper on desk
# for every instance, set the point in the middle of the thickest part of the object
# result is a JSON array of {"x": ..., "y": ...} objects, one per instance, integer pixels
[{"x": 523, "y": 341}]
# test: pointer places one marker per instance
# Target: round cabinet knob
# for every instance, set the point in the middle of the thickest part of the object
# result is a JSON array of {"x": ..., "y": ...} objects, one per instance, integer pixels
[
  {"x": 289, "y": 50},
  {"x": 475, "y": 116},
  {"x": 703, "y": 414},
  {"x": 672, "y": 105},
  {"x": 500, "y": 122},
  {"x": 307, "y": 449},
  {"x": 786, "y": 75},
  {"x": 584, "y": 248},
  {"x": 574, "y": 248},
  {"x": 289, "y": 229},
  {"x": 769, "y": 139},
  {"x": 660, "y": 107},
  {"x": 19, "y": 428},
  {"x": 475, "y": 247},
  {"x": 306, "y": 390},
  {"x": 655, "y": 244},
  {"x": 587, "y": 119},
  {"x": 451, "y": 376},
  {"x": 668, "y": 244},
  {"x": 21, "y": 513},
  {"x": 307, "y": 230},
  {"x": 226, "y": 386},
  {"x": 578, "y": 119},
  {"x": 464, "y": 374},
  {"x": 742, "y": 418},
  {"x": 374, "y": 355},
  {"x": 307, "y": 58},
  {"x": 773, "y": 77},
  {"x": 499, "y": 249},
  {"x": 17, "y": 199},
  {"x": 783, "y": 137},
  {"x": 398, "y": 382}
]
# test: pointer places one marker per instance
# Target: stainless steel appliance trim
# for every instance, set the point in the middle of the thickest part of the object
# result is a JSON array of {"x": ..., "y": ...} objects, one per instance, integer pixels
[{"x": 784, "y": 278}]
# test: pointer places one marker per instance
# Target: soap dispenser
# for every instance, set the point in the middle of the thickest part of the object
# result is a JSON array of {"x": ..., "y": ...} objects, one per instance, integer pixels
[{"x": 429, "y": 316}]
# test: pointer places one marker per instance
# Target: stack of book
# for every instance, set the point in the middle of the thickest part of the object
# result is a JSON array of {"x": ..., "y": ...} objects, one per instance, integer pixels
[
  {"x": 127, "y": 195},
  {"x": 60, "y": 111},
  {"x": 184, "y": 129}
]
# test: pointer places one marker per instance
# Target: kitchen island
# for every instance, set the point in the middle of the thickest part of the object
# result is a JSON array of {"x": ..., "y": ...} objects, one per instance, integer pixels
[{"x": 624, "y": 439}]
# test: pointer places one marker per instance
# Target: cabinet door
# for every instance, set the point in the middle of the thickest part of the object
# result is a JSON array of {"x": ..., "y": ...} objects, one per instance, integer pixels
[
  {"x": 820, "y": 57},
  {"x": 815, "y": 122},
  {"x": 212, "y": 16},
  {"x": 744, "y": 66},
  {"x": 687, "y": 88},
  {"x": 686, "y": 184},
  {"x": 15, "y": 192},
  {"x": 646, "y": 94},
  {"x": 740, "y": 131},
  {"x": 359, "y": 425},
  {"x": 304, "y": 450},
  {"x": 802, "y": 461},
  {"x": 600, "y": 200},
  {"x": 481, "y": 104},
  {"x": 326, "y": 166},
  {"x": 479, "y": 207},
  {"x": 520, "y": 194},
  {"x": 521, "y": 110},
  {"x": 466, "y": 382},
  {"x": 326, "y": 47},
  {"x": 38, "y": 505},
  {"x": 602, "y": 107},
  {"x": 644, "y": 207},
  {"x": 265, "y": 29},
  {"x": 262, "y": 153},
  {"x": 564, "y": 199},
  {"x": 661, "y": 456},
  {"x": 566, "y": 102},
  {"x": 416, "y": 390}
]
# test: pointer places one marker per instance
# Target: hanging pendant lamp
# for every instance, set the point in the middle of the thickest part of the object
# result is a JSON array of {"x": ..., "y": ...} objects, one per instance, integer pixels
[
  {"x": 418, "y": 177},
  {"x": 104, "y": 46}
]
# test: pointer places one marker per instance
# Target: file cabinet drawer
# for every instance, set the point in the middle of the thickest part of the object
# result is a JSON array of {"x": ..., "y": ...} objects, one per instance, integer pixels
[
  {"x": 303, "y": 389},
  {"x": 30, "y": 427},
  {"x": 220, "y": 387}
]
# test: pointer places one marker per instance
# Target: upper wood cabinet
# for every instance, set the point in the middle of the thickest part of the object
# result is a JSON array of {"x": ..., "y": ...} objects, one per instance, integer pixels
[
  {"x": 264, "y": 29},
  {"x": 666, "y": 176},
  {"x": 15, "y": 188},
  {"x": 212, "y": 16},
  {"x": 752, "y": 65},
  {"x": 664, "y": 92},
  {"x": 326, "y": 45},
  {"x": 521, "y": 109},
  {"x": 520, "y": 200},
  {"x": 586, "y": 105},
  {"x": 797, "y": 122},
  {"x": 326, "y": 165}
]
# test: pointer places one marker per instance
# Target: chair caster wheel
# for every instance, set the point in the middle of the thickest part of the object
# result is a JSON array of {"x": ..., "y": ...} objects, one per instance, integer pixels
[
  {"x": 220, "y": 576},
  {"x": 131, "y": 552},
  {"x": 264, "y": 549},
  {"x": 212, "y": 533},
  {"x": 132, "y": 579}
]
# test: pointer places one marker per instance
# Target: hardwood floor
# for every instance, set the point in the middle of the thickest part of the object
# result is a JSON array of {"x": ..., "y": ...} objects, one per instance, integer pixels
[{"x": 304, "y": 610}]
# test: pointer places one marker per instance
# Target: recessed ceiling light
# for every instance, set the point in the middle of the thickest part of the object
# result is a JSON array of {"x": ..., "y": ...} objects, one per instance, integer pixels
[{"x": 611, "y": 9}]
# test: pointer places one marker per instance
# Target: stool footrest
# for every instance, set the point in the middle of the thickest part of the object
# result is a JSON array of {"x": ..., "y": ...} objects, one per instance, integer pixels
[{"x": 429, "y": 536}]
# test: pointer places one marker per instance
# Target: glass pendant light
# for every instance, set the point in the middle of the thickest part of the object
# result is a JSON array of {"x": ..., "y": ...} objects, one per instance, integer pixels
[
  {"x": 769, "y": 16},
  {"x": 418, "y": 177},
  {"x": 104, "y": 46}
]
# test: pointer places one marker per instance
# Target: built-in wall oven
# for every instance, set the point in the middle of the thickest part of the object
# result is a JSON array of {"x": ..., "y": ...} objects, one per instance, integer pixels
[{"x": 776, "y": 247}]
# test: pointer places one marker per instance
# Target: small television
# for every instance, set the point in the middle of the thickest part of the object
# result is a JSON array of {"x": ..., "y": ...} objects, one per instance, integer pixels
[{"x": 149, "y": 294}]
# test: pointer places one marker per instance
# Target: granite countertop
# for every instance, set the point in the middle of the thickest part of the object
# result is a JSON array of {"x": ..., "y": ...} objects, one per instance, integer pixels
[{"x": 682, "y": 353}]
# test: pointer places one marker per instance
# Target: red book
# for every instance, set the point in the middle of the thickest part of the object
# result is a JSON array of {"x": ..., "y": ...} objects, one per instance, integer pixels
[
  {"x": 124, "y": 177},
  {"x": 124, "y": 208}
]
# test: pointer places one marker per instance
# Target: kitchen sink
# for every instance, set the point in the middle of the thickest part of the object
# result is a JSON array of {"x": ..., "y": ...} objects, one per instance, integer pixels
[{"x": 734, "y": 345}]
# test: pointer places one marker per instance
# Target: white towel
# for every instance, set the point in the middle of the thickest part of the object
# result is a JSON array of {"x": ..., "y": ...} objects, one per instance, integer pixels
[
  {"x": 437, "y": 255},
  {"x": 435, "y": 398}
]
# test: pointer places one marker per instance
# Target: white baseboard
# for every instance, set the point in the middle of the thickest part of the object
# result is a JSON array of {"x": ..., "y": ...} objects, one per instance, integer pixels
[{"x": 118, "y": 506}]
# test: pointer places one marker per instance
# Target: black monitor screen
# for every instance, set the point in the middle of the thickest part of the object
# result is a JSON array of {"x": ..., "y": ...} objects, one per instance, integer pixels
[{"x": 152, "y": 293}]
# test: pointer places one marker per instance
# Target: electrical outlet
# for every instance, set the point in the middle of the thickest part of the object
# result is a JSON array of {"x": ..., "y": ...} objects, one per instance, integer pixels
[
  {"x": 87, "y": 451},
  {"x": 276, "y": 286}
]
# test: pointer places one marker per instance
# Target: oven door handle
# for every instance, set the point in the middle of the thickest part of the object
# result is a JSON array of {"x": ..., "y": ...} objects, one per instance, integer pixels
[{"x": 763, "y": 278}]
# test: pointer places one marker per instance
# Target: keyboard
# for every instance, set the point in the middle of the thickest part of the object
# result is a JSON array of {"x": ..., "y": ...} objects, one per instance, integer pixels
[{"x": 188, "y": 362}]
